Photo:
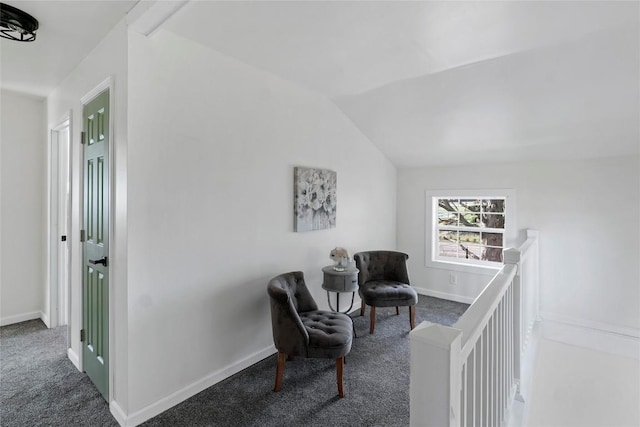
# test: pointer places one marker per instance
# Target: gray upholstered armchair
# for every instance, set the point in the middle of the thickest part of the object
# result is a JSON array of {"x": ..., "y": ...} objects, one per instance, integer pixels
[
  {"x": 300, "y": 329},
  {"x": 384, "y": 282}
]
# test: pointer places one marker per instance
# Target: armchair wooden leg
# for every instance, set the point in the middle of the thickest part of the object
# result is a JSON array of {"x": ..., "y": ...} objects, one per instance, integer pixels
[
  {"x": 372, "y": 319},
  {"x": 339, "y": 369},
  {"x": 397, "y": 311},
  {"x": 362, "y": 307},
  {"x": 280, "y": 371},
  {"x": 412, "y": 316}
]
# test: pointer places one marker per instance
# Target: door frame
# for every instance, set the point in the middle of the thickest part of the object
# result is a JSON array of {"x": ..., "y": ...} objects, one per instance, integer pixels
[
  {"x": 108, "y": 83},
  {"x": 59, "y": 294}
]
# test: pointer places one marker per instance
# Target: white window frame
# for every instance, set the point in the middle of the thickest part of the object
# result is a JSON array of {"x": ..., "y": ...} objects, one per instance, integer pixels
[{"x": 431, "y": 239}]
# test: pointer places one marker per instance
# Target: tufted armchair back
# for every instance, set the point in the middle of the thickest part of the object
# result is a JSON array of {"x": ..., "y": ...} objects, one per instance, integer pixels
[
  {"x": 290, "y": 296},
  {"x": 383, "y": 281},
  {"x": 382, "y": 265},
  {"x": 300, "y": 329}
]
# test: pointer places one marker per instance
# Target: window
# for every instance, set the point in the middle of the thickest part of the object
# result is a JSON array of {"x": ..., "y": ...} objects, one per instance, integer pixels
[{"x": 468, "y": 228}]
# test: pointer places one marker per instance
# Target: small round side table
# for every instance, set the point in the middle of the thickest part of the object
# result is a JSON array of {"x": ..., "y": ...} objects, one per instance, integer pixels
[{"x": 340, "y": 282}]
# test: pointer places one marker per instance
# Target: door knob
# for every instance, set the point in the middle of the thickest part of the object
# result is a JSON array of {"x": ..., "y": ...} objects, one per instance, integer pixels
[{"x": 103, "y": 261}]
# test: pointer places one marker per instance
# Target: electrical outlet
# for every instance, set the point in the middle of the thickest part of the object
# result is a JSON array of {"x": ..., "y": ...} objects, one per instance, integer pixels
[{"x": 453, "y": 279}]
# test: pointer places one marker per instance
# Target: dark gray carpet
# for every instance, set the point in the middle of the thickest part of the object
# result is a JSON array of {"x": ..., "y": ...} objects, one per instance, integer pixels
[
  {"x": 39, "y": 386},
  {"x": 376, "y": 382},
  {"x": 44, "y": 388}
]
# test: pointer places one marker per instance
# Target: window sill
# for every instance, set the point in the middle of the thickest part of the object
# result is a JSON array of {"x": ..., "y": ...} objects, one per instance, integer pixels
[{"x": 486, "y": 270}]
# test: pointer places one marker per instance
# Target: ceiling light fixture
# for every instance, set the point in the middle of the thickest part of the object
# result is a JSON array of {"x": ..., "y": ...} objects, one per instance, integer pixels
[{"x": 16, "y": 24}]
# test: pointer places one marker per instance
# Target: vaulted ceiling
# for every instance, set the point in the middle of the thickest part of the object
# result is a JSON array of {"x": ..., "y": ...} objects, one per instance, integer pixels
[
  {"x": 429, "y": 83},
  {"x": 450, "y": 82}
]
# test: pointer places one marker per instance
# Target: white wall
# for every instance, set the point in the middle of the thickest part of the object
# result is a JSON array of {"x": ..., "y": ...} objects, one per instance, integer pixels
[
  {"x": 213, "y": 147},
  {"x": 23, "y": 208},
  {"x": 587, "y": 213},
  {"x": 108, "y": 59}
]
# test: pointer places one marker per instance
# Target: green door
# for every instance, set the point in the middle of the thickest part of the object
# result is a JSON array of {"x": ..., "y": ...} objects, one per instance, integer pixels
[{"x": 95, "y": 286}]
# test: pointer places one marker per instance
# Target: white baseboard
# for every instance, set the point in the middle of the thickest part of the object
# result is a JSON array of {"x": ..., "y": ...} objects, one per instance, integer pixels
[
  {"x": 597, "y": 336},
  {"x": 600, "y": 326},
  {"x": 10, "y": 320},
  {"x": 444, "y": 295},
  {"x": 192, "y": 389},
  {"x": 117, "y": 413},
  {"x": 73, "y": 356},
  {"x": 45, "y": 319}
]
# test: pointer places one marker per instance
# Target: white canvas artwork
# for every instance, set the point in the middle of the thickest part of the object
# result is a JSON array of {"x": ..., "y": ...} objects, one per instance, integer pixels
[{"x": 315, "y": 199}]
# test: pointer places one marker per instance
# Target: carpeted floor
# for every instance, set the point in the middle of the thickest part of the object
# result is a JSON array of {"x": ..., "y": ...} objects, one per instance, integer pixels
[
  {"x": 44, "y": 388},
  {"x": 39, "y": 386}
]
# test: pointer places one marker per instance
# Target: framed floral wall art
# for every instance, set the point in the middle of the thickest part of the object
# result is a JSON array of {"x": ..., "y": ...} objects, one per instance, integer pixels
[{"x": 315, "y": 199}]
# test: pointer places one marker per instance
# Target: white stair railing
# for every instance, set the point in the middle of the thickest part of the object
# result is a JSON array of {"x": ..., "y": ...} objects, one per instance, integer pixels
[{"x": 469, "y": 374}]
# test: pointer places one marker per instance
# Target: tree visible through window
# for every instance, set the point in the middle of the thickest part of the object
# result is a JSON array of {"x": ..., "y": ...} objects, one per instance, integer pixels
[{"x": 470, "y": 229}]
